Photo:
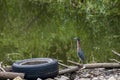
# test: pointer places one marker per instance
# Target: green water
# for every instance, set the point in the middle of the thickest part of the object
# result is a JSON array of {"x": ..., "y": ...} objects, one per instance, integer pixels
[{"x": 30, "y": 29}]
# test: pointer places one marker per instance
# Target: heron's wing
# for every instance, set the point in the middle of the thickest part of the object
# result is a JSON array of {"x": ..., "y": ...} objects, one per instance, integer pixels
[{"x": 81, "y": 55}]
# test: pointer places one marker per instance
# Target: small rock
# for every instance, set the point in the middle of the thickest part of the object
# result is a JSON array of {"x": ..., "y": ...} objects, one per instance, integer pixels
[
  {"x": 49, "y": 79},
  {"x": 118, "y": 78},
  {"x": 56, "y": 78},
  {"x": 112, "y": 78},
  {"x": 95, "y": 78},
  {"x": 102, "y": 78},
  {"x": 83, "y": 79},
  {"x": 39, "y": 79},
  {"x": 18, "y": 78},
  {"x": 62, "y": 78},
  {"x": 87, "y": 75},
  {"x": 77, "y": 78}
]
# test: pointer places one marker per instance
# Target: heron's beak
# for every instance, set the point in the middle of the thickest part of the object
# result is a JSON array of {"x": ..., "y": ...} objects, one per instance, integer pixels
[{"x": 75, "y": 38}]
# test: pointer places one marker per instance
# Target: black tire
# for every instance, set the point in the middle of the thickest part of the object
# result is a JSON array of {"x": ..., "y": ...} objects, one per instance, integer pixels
[{"x": 37, "y": 68}]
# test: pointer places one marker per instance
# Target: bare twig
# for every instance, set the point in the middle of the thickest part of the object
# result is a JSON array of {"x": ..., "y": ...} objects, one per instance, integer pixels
[
  {"x": 75, "y": 63},
  {"x": 8, "y": 68},
  {"x": 115, "y": 60},
  {"x": 60, "y": 61},
  {"x": 1, "y": 67},
  {"x": 66, "y": 66},
  {"x": 114, "y": 52},
  {"x": 68, "y": 70}
]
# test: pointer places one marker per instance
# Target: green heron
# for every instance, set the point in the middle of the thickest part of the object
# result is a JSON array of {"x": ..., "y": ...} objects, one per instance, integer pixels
[{"x": 79, "y": 51}]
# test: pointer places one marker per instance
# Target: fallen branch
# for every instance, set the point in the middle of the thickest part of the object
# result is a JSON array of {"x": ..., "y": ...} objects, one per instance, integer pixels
[
  {"x": 75, "y": 63},
  {"x": 66, "y": 66},
  {"x": 114, "y": 52},
  {"x": 102, "y": 65},
  {"x": 68, "y": 70},
  {"x": 115, "y": 60},
  {"x": 8, "y": 68},
  {"x": 10, "y": 75},
  {"x": 1, "y": 67},
  {"x": 97, "y": 65}
]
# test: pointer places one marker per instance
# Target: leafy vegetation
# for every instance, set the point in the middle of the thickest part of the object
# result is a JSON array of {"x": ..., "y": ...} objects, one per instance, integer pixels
[{"x": 46, "y": 28}]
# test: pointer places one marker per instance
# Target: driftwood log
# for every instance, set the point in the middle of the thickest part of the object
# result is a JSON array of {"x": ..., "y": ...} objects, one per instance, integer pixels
[
  {"x": 97, "y": 65},
  {"x": 87, "y": 66},
  {"x": 11, "y": 75}
]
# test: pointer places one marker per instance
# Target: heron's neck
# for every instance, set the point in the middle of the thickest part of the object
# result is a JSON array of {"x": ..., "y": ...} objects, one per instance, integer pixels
[{"x": 78, "y": 46}]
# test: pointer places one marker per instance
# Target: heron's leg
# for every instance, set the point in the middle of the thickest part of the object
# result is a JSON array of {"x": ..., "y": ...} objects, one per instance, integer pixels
[{"x": 83, "y": 67}]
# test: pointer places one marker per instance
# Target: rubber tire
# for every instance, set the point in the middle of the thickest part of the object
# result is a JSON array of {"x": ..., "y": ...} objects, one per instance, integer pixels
[{"x": 32, "y": 72}]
